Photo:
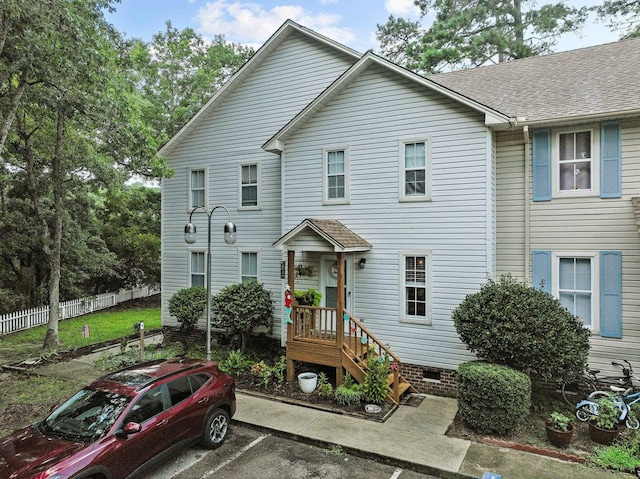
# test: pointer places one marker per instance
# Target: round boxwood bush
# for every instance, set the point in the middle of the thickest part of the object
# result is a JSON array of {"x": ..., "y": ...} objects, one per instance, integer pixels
[
  {"x": 493, "y": 399},
  {"x": 510, "y": 323},
  {"x": 239, "y": 308},
  {"x": 188, "y": 305}
]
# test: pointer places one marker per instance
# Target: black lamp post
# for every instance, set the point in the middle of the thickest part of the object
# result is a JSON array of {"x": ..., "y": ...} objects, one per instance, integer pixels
[{"x": 190, "y": 238}]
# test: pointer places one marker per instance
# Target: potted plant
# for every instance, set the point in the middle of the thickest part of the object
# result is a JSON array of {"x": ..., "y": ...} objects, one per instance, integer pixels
[
  {"x": 307, "y": 382},
  {"x": 604, "y": 427},
  {"x": 559, "y": 429}
]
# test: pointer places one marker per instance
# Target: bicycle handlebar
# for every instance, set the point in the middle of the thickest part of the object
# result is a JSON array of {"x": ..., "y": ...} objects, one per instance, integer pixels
[{"x": 628, "y": 372}]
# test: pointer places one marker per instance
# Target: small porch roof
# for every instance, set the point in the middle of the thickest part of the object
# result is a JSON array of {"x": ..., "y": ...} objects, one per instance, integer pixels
[{"x": 335, "y": 235}]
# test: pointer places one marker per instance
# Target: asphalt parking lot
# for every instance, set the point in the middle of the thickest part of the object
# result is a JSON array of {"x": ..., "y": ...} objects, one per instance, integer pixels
[{"x": 252, "y": 454}]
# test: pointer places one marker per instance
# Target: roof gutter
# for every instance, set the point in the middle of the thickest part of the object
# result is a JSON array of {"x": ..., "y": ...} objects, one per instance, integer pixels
[{"x": 551, "y": 122}]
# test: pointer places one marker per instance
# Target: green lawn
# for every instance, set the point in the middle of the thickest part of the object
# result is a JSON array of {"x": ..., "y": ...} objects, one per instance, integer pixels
[{"x": 103, "y": 326}]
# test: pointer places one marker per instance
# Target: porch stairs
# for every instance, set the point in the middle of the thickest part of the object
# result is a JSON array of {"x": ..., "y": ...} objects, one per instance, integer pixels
[
  {"x": 355, "y": 359},
  {"x": 316, "y": 337}
]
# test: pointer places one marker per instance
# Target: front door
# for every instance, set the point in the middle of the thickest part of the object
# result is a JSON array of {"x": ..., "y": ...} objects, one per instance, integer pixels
[{"x": 329, "y": 282}]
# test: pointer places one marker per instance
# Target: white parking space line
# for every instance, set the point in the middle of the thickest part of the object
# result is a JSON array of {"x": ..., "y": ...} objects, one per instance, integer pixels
[
  {"x": 396, "y": 474},
  {"x": 234, "y": 457}
]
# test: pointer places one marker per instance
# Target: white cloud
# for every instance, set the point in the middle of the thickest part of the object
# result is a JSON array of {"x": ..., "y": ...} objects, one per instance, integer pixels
[
  {"x": 403, "y": 8},
  {"x": 250, "y": 24}
]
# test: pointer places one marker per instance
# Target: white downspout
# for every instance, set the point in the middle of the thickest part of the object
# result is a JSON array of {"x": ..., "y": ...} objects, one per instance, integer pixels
[{"x": 527, "y": 192}]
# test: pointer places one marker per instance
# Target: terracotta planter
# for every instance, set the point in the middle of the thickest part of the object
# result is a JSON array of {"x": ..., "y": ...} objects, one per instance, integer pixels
[
  {"x": 559, "y": 438},
  {"x": 602, "y": 436}
]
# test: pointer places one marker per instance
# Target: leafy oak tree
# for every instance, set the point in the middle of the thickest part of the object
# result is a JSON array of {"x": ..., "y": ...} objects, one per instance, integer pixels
[
  {"x": 177, "y": 73},
  {"x": 75, "y": 128},
  {"x": 470, "y": 33}
]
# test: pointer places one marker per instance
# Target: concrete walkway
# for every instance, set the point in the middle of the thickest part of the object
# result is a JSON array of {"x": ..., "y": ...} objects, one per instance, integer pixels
[{"x": 412, "y": 437}]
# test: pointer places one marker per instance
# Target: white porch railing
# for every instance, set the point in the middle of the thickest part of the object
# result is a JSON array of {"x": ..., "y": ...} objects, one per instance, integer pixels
[{"x": 29, "y": 318}]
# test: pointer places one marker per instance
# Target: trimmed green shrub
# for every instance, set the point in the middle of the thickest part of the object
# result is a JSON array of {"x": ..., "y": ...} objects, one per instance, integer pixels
[
  {"x": 515, "y": 325},
  {"x": 493, "y": 398},
  {"x": 241, "y": 307},
  {"x": 188, "y": 305}
]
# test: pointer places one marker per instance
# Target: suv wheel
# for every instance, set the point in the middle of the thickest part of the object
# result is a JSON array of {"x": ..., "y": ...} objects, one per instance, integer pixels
[{"x": 215, "y": 428}]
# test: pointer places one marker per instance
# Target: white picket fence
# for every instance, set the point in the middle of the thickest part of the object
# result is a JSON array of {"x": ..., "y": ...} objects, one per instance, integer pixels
[{"x": 29, "y": 318}]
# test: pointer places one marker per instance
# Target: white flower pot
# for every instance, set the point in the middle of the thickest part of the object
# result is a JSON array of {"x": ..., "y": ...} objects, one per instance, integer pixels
[{"x": 307, "y": 382}]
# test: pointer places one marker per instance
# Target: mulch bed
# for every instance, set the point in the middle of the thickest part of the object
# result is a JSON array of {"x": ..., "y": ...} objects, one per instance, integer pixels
[{"x": 289, "y": 392}]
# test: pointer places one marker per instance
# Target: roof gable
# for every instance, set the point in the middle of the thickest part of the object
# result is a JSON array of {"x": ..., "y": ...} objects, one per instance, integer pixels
[
  {"x": 276, "y": 143},
  {"x": 287, "y": 29},
  {"x": 331, "y": 232}
]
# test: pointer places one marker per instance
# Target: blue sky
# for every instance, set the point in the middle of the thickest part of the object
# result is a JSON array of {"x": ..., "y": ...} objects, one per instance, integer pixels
[{"x": 351, "y": 22}]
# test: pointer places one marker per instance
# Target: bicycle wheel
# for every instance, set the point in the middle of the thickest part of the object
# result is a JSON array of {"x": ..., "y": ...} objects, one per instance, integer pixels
[
  {"x": 586, "y": 412},
  {"x": 632, "y": 422},
  {"x": 577, "y": 390}
]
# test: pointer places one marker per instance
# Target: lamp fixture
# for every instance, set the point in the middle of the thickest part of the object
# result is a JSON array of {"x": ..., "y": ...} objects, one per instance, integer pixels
[{"x": 190, "y": 238}]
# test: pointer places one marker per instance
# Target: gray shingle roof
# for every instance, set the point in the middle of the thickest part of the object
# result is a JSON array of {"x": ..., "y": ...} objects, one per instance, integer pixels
[
  {"x": 340, "y": 234},
  {"x": 332, "y": 231},
  {"x": 590, "y": 81}
]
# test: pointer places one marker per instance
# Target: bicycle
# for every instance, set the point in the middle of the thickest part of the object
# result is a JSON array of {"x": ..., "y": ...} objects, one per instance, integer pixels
[
  {"x": 624, "y": 399},
  {"x": 574, "y": 392}
]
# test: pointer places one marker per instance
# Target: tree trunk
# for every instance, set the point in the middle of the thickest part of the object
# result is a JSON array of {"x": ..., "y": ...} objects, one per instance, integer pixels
[
  {"x": 518, "y": 28},
  {"x": 7, "y": 119},
  {"x": 52, "y": 340}
]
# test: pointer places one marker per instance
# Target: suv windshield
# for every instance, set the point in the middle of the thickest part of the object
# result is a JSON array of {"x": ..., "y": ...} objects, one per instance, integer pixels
[{"x": 87, "y": 416}]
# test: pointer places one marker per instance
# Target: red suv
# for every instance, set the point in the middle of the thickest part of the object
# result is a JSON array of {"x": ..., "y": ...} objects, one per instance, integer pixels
[{"x": 124, "y": 422}]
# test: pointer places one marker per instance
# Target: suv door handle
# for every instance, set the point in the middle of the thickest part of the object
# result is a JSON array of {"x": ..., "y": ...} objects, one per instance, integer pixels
[
  {"x": 204, "y": 399},
  {"x": 163, "y": 422}
]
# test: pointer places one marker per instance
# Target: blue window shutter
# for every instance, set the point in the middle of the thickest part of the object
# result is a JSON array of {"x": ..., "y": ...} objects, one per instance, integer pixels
[
  {"x": 541, "y": 165},
  {"x": 610, "y": 160},
  {"x": 611, "y": 294},
  {"x": 541, "y": 274}
]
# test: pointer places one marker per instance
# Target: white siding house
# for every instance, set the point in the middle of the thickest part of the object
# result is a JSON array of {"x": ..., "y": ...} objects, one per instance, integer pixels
[
  {"x": 427, "y": 186},
  {"x": 224, "y": 140}
]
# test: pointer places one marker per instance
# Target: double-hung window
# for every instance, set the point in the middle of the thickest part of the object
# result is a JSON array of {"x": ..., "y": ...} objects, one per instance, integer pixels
[
  {"x": 575, "y": 162},
  {"x": 249, "y": 186},
  {"x": 588, "y": 284},
  {"x": 414, "y": 170},
  {"x": 584, "y": 161},
  {"x": 197, "y": 268},
  {"x": 575, "y": 287},
  {"x": 415, "y": 271},
  {"x": 197, "y": 188},
  {"x": 248, "y": 266},
  {"x": 336, "y": 175}
]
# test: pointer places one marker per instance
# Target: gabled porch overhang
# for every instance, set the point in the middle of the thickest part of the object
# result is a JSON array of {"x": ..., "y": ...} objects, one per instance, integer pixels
[{"x": 331, "y": 336}]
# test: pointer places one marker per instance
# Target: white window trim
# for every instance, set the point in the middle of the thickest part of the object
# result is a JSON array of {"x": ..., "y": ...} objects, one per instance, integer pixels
[
  {"x": 325, "y": 172},
  {"x": 258, "y": 253},
  {"x": 191, "y": 273},
  {"x": 257, "y": 207},
  {"x": 595, "y": 163},
  {"x": 427, "y": 140},
  {"x": 428, "y": 254},
  {"x": 594, "y": 256},
  {"x": 206, "y": 186}
]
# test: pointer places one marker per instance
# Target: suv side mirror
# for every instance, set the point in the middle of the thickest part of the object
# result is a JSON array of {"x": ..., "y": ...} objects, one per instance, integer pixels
[{"x": 129, "y": 428}]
